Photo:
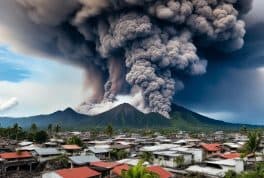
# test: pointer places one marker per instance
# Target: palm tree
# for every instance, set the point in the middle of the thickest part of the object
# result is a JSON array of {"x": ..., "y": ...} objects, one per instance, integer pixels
[
  {"x": 147, "y": 156},
  {"x": 57, "y": 128},
  {"x": 109, "y": 130},
  {"x": 138, "y": 171},
  {"x": 50, "y": 129},
  {"x": 253, "y": 143},
  {"x": 33, "y": 128}
]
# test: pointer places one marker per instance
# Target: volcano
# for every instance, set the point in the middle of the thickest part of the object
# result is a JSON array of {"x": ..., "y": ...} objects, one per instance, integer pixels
[{"x": 124, "y": 116}]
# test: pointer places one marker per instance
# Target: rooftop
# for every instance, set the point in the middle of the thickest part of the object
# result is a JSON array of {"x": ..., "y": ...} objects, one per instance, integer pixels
[
  {"x": 118, "y": 169},
  {"x": 103, "y": 164},
  {"x": 16, "y": 155},
  {"x": 230, "y": 155},
  {"x": 71, "y": 147},
  {"x": 211, "y": 147},
  {"x": 47, "y": 151},
  {"x": 82, "y": 160},
  {"x": 160, "y": 171},
  {"x": 81, "y": 172}
]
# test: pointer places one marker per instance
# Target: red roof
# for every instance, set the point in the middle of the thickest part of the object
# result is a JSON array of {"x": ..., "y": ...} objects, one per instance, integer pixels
[
  {"x": 71, "y": 147},
  {"x": 230, "y": 155},
  {"x": 118, "y": 169},
  {"x": 211, "y": 147},
  {"x": 16, "y": 155},
  {"x": 107, "y": 165},
  {"x": 81, "y": 172},
  {"x": 160, "y": 171}
]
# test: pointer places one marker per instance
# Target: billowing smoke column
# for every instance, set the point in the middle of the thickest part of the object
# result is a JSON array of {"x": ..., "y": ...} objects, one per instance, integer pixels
[{"x": 142, "y": 44}]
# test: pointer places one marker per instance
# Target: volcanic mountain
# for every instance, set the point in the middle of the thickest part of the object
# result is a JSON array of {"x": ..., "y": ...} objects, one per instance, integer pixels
[{"x": 123, "y": 116}]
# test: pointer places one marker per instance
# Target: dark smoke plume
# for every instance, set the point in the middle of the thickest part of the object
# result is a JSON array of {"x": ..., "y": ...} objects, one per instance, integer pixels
[{"x": 128, "y": 44}]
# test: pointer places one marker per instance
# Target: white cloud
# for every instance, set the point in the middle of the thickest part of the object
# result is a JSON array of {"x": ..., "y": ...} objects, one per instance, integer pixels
[
  {"x": 8, "y": 104},
  {"x": 220, "y": 115}
]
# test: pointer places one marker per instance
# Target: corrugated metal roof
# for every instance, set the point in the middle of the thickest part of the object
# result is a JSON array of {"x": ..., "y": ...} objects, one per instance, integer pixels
[
  {"x": 47, "y": 151},
  {"x": 98, "y": 150},
  {"x": 82, "y": 160}
]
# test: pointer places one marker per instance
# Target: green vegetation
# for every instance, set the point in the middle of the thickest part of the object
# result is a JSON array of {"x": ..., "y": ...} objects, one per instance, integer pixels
[
  {"x": 138, "y": 171},
  {"x": 41, "y": 136},
  {"x": 109, "y": 130},
  {"x": 74, "y": 140},
  {"x": 147, "y": 156},
  {"x": 258, "y": 172},
  {"x": 118, "y": 154},
  {"x": 253, "y": 143},
  {"x": 179, "y": 161}
]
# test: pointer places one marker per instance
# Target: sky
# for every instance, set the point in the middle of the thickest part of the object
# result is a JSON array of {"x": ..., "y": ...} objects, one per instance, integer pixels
[{"x": 232, "y": 89}]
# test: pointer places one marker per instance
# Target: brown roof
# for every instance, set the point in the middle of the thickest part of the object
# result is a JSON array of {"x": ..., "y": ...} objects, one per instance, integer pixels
[
  {"x": 16, "y": 155},
  {"x": 81, "y": 172},
  {"x": 160, "y": 171},
  {"x": 103, "y": 164},
  {"x": 71, "y": 147},
  {"x": 211, "y": 147}
]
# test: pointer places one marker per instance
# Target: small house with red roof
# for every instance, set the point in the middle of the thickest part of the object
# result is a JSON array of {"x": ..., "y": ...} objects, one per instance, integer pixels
[
  {"x": 211, "y": 149},
  {"x": 16, "y": 160},
  {"x": 104, "y": 167},
  {"x": 71, "y": 149},
  {"x": 161, "y": 172},
  {"x": 81, "y": 172}
]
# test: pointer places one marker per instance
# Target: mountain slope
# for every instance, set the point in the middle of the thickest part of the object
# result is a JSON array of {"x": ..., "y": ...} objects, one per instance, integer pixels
[{"x": 123, "y": 116}]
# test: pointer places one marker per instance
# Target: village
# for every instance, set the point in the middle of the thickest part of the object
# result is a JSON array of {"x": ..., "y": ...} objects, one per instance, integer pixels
[{"x": 112, "y": 153}]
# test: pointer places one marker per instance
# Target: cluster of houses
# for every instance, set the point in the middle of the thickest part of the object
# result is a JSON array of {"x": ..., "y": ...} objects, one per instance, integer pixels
[{"x": 175, "y": 156}]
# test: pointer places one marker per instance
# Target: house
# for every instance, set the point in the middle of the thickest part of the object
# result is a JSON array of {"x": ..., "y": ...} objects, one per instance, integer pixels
[
  {"x": 103, "y": 167},
  {"x": 16, "y": 160},
  {"x": 71, "y": 149},
  {"x": 160, "y": 147},
  {"x": 46, "y": 154},
  {"x": 229, "y": 146},
  {"x": 82, "y": 160},
  {"x": 103, "y": 153},
  {"x": 161, "y": 172},
  {"x": 231, "y": 155},
  {"x": 81, "y": 172},
  {"x": 211, "y": 149},
  {"x": 117, "y": 171},
  {"x": 196, "y": 152},
  {"x": 218, "y": 168},
  {"x": 170, "y": 158},
  {"x": 131, "y": 161}
]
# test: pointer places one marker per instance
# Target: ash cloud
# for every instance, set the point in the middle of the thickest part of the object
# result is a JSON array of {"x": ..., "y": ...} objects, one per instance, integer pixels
[{"x": 130, "y": 44}]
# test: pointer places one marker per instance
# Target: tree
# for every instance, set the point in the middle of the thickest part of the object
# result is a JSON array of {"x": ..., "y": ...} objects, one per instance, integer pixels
[
  {"x": 230, "y": 174},
  {"x": 118, "y": 154},
  {"x": 33, "y": 128},
  {"x": 16, "y": 130},
  {"x": 109, "y": 130},
  {"x": 138, "y": 171},
  {"x": 57, "y": 128},
  {"x": 179, "y": 160},
  {"x": 50, "y": 129},
  {"x": 253, "y": 143},
  {"x": 41, "y": 136},
  {"x": 147, "y": 156},
  {"x": 74, "y": 140}
]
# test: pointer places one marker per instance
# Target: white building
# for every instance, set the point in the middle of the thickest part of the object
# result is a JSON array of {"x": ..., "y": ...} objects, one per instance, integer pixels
[
  {"x": 218, "y": 168},
  {"x": 169, "y": 158}
]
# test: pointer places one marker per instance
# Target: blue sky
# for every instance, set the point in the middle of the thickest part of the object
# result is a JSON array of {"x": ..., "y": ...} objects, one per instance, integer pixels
[{"x": 38, "y": 85}]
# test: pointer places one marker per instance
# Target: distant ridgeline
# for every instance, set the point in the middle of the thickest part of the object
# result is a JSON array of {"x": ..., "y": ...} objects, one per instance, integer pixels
[{"x": 124, "y": 116}]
